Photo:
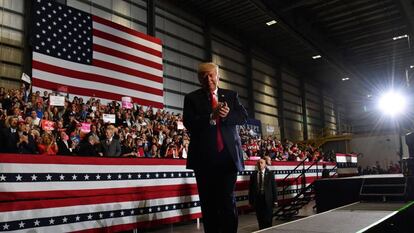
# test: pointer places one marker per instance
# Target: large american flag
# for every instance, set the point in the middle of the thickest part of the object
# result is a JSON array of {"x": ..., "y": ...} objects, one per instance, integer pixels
[
  {"x": 86, "y": 194},
  {"x": 89, "y": 56}
]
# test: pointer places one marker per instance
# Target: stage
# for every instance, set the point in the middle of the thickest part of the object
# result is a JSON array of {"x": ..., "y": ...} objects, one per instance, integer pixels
[{"x": 355, "y": 217}]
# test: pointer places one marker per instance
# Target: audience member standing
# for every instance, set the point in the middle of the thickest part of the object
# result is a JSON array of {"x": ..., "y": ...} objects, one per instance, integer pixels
[
  {"x": 110, "y": 147},
  {"x": 263, "y": 194}
]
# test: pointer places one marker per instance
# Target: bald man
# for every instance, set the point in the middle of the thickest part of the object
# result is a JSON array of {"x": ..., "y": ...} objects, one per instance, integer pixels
[{"x": 215, "y": 154}]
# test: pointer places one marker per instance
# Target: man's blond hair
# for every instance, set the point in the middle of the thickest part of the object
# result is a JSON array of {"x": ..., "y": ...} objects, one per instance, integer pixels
[{"x": 207, "y": 66}]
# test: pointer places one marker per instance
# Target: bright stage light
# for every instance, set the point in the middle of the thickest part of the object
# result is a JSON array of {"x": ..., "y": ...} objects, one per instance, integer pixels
[{"x": 392, "y": 103}]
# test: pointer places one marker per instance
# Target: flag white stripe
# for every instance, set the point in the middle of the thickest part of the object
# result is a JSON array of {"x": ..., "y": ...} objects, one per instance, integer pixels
[
  {"x": 88, "y": 185},
  {"x": 83, "y": 168},
  {"x": 96, "y": 70},
  {"x": 126, "y": 63},
  {"x": 64, "y": 80},
  {"x": 68, "y": 210},
  {"x": 127, "y": 36},
  {"x": 126, "y": 49}
]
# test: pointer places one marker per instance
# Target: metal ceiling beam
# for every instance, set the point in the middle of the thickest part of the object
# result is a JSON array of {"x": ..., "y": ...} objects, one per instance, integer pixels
[{"x": 299, "y": 27}]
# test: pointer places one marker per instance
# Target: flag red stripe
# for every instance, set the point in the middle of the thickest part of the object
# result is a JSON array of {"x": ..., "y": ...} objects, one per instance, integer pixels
[
  {"x": 126, "y": 56},
  {"x": 127, "y": 43},
  {"x": 97, "y": 196},
  {"x": 146, "y": 224},
  {"x": 45, "y": 159},
  {"x": 126, "y": 70},
  {"x": 94, "y": 77},
  {"x": 125, "y": 29},
  {"x": 90, "y": 92}
]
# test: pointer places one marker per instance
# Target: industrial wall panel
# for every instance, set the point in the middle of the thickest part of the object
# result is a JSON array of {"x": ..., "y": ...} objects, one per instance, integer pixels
[
  {"x": 172, "y": 99},
  {"x": 180, "y": 45},
  {"x": 269, "y": 100},
  {"x": 226, "y": 75},
  {"x": 259, "y": 65},
  {"x": 286, "y": 77},
  {"x": 293, "y": 130},
  {"x": 10, "y": 54},
  {"x": 292, "y": 107},
  {"x": 187, "y": 21},
  {"x": 268, "y": 90},
  {"x": 292, "y": 98},
  {"x": 222, "y": 49},
  {"x": 14, "y": 5},
  {"x": 219, "y": 34},
  {"x": 178, "y": 30},
  {"x": 312, "y": 89},
  {"x": 10, "y": 71},
  {"x": 105, "y": 3},
  {"x": 181, "y": 73},
  {"x": 228, "y": 64},
  {"x": 178, "y": 86},
  {"x": 314, "y": 121},
  {"x": 264, "y": 78},
  {"x": 313, "y": 106},
  {"x": 180, "y": 59},
  {"x": 12, "y": 20},
  {"x": 290, "y": 88},
  {"x": 314, "y": 98},
  {"x": 293, "y": 116},
  {"x": 11, "y": 37},
  {"x": 265, "y": 109},
  {"x": 315, "y": 114}
]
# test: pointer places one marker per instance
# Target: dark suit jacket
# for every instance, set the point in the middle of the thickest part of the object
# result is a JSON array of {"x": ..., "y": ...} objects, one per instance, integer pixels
[
  {"x": 197, "y": 110},
  {"x": 8, "y": 141},
  {"x": 111, "y": 150},
  {"x": 62, "y": 148},
  {"x": 270, "y": 190},
  {"x": 87, "y": 149}
]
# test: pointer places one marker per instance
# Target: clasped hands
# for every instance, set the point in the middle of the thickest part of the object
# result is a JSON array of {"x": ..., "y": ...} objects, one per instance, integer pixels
[{"x": 222, "y": 110}]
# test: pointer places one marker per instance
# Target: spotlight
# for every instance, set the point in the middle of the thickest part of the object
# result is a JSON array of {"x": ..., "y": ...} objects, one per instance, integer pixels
[
  {"x": 316, "y": 56},
  {"x": 392, "y": 103}
]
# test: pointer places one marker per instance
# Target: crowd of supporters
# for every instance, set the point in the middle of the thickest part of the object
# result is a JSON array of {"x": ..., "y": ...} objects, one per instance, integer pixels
[{"x": 142, "y": 131}]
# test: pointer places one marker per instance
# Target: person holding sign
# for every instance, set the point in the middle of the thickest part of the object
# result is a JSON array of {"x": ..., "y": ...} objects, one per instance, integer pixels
[{"x": 215, "y": 154}]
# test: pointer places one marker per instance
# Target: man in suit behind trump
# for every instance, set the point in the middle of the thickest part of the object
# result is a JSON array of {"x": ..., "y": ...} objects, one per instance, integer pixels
[
  {"x": 263, "y": 194},
  {"x": 215, "y": 154},
  {"x": 110, "y": 147}
]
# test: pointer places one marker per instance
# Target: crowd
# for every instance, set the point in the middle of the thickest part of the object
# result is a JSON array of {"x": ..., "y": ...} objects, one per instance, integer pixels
[{"x": 137, "y": 132}]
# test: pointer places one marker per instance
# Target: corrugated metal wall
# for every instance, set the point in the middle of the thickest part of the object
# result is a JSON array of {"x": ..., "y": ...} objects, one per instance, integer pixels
[{"x": 187, "y": 41}]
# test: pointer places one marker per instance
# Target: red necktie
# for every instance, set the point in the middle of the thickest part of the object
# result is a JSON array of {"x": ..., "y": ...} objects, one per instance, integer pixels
[{"x": 214, "y": 103}]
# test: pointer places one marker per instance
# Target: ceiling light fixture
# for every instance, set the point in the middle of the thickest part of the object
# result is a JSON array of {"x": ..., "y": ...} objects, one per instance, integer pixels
[
  {"x": 400, "y": 37},
  {"x": 412, "y": 66},
  {"x": 271, "y": 22},
  {"x": 316, "y": 56},
  {"x": 345, "y": 79}
]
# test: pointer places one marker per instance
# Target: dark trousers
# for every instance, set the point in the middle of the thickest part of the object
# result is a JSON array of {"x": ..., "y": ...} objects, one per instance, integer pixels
[
  {"x": 264, "y": 212},
  {"x": 216, "y": 191}
]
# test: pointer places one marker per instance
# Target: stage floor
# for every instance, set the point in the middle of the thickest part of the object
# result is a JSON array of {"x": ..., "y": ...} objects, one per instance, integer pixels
[{"x": 355, "y": 217}]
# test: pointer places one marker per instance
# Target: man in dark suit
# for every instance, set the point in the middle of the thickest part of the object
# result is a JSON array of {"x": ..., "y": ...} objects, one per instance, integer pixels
[
  {"x": 110, "y": 147},
  {"x": 263, "y": 194},
  {"x": 65, "y": 146},
  {"x": 9, "y": 137},
  {"x": 215, "y": 154}
]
